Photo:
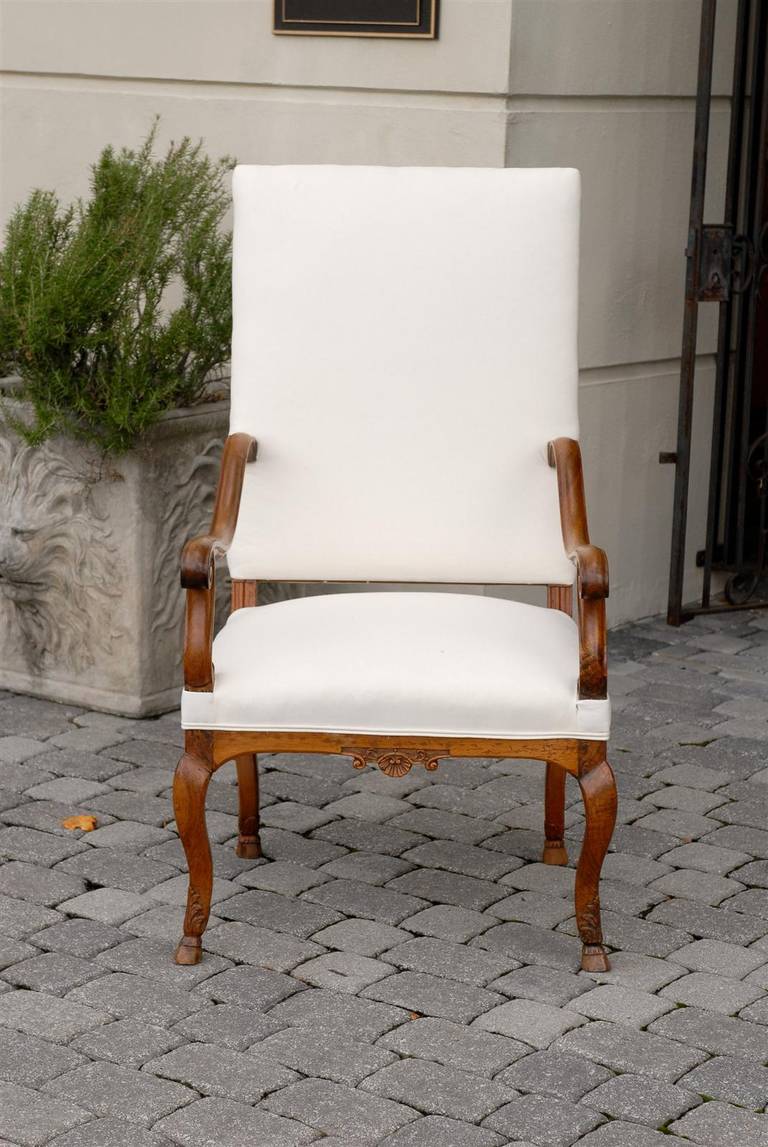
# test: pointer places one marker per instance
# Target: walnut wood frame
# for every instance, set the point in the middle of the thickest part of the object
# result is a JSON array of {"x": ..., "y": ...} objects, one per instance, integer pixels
[{"x": 207, "y": 751}]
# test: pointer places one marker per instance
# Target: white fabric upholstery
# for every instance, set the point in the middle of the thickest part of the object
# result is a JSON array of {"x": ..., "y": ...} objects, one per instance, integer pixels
[
  {"x": 404, "y": 346},
  {"x": 442, "y": 664}
]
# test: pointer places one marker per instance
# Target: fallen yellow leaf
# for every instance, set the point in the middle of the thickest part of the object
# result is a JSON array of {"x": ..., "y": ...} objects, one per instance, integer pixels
[{"x": 86, "y": 823}]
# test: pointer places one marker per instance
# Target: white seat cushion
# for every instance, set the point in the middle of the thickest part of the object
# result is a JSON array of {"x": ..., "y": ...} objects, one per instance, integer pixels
[{"x": 402, "y": 664}]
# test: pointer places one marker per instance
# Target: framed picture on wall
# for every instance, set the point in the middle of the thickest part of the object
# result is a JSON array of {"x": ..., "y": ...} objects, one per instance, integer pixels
[{"x": 413, "y": 19}]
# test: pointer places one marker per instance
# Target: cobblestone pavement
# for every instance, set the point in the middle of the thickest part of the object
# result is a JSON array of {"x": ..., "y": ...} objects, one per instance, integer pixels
[{"x": 400, "y": 969}]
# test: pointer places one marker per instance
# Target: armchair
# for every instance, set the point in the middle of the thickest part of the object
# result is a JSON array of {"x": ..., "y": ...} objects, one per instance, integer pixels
[{"x": 404, "y": 348}]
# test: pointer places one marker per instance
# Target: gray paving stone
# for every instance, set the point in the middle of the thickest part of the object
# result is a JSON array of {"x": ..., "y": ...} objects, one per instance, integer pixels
[
  {"x": 437, "y": 1131},
  {"x": 145, "y": 753},
  {"x": 694, "y": 885},
  {"x": 732, "y": 1079},
  {"x": 707, "y": 858},
  {"x": 37, "y": 847},
  {"x": 544, "y": 1120},
  {"x": 284, "y": 876},
  {"x": 28, "y": 1119},
  {"x": 30, "y": 1061},
  {"x": 153, "y": 960},
  {"x": 213, "y": 1070},
  {"x": 453, "y": 961},
  {"x": 702, "y": 921},
  {"x": 294, "y": 817},
  {"x": 449, "y": 922},
  {"x": 123, "y": 995},
  {"x": 722, "y": 1125},
  {"x": 54, "y": 972},
  {"x": 70, "y": 790},
  {"x": 719, "y": 1035},
  {"x": 691, "y": 775},
  {"x": 16, "y": 778},
  {"x": 554, "y": 1073},
  {"x": 77, "y": 937},
  {"x": 144, "y": 780},
  {"x": 38, "y": 885},
  {"x": 222, "y": 1123},
  {"x": 345, "y": 1061},
  {"x": 111, "y": 1133},
  {"x": 87, "y": 766},
  {"x": 643, "y": 841},
  {"x": 621, "y": 1004},
  {"x": 249, "y": 944},
  {"x": 278, "y": 844},
  {"x": 529, "y": 1021},
  {"x": 548, "y": 985},
  {"x": 686, "y": 799},
  {"x": 227, "y": 1025},
  {"x": 128, "y": 835},
  {"x": 633, "y": 869},
  {"x": 449, "y": 888},
  {"x": 753, "y": 902},
  {"x": 470, "y": 1049},
  {"x": 107, "y": 905},
  {"x": 639, "y": 1099},
  {"x": 15, "y": 750},
  {"x": 279, "y": 913},
  {"x": 531, "y": 945},
  {"x": 623, "y": 1049},
  {"x": 368, "y": 867},
  {"x": 444, "y": 825},
  {"x": 539, "y": 909},
  {"x": 464, "y": 859},
  {"x": 304, "y": 790},
  {"x": 364, "y": 937},
  {"x": 339, "y": 1110},
  {"x": 46, "y": 816},
  {"x": 620, "y": 1134},
  {"x": 88, "y": 740},
  {"x": 439, "y": 1090},
  {"x": 719, "y": 958},
  {"x": 368, "y": 806},
  {"x": 752, "y": 840},
  {"x": 107, "y": 1089},
  {"x": 714, "y": 993},
  {"x": 258, "y": 987},
  {"x": 355, "y": 898},
  {"x": 342, "y": 972},
  {"x": 19, "y": 919},
  {"x": 369, "y": 837},
  {"x": 338, "y": 1016},
  {"x": 432, "y": 996},
  {"x": 127, "y": 1042},
  {"x": 13, "y": 951},
  {"x": 641, "y": 973},
  {"x": 116, "y": 869},
  {"x": 174, "y": 890},
  {"x": 629, "y": 934},
  {"x": 47, "y": 1017}
]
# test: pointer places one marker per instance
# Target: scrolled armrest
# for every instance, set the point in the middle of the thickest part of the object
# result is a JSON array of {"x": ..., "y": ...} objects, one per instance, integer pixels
[
  {"x": 198, "y": 562},
  {"x": 591, "y": 568}
]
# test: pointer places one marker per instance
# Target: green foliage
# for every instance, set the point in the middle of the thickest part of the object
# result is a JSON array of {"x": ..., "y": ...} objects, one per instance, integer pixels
[{"x": 119, "y": 307}]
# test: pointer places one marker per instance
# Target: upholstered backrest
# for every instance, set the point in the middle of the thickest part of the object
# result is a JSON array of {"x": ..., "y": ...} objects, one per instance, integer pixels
[{"x": 404, "y": 347}]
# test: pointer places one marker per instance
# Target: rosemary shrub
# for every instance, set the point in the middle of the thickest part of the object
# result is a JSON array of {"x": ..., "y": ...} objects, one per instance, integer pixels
[{"x": 118, "y": 308}]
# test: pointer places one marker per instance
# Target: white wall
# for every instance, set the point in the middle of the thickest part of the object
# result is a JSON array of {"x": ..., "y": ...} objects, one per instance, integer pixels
[{"x": 603, "y": 85}]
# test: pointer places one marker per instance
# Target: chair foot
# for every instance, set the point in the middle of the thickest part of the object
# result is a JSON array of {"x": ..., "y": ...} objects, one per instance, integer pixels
[
  {"x": 189, "y": 950},
  {"x": 555, "y": 852},
  {"x": 248, "y": 847},
  {"x": 594, "y": 958}
]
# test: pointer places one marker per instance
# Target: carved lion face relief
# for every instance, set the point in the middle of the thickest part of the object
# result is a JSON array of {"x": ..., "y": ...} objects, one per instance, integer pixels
[{"x": 58, "y": 573}]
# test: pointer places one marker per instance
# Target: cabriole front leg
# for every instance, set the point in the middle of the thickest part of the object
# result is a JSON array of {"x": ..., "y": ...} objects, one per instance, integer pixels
[
  {"x": 190, "y": 785},
  {"x": 598, "y": 788}
]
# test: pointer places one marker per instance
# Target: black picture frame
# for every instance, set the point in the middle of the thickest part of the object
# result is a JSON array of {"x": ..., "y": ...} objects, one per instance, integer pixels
[{"x": 400, "y": 19}]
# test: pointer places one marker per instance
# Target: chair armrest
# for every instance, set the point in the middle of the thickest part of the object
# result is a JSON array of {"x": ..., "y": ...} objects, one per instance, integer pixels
[
  {"x": 198, "y": 563},
  {"x": 591, "y": 568}
]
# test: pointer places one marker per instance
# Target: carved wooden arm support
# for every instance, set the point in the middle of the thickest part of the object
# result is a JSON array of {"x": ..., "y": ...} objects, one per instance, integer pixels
[
  {"x": 591, "y": 568},
  {"x": 198, "y": 563}
]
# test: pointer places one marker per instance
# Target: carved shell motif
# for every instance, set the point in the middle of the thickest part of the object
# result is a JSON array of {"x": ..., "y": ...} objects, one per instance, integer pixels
[{"x": 395, "y": 763}]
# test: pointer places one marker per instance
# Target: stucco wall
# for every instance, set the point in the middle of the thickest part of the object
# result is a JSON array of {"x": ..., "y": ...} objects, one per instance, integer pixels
[{"x": 603, "y": 85}]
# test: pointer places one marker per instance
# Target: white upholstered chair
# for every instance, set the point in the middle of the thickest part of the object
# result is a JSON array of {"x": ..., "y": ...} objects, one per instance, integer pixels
[{"x": 404, "y": 352}]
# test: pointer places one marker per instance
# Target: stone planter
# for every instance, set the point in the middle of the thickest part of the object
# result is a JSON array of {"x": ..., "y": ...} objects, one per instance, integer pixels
[{"x": 91, "y": 610}]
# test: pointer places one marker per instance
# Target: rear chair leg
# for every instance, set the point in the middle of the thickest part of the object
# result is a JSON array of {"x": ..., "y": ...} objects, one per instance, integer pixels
[
  {"x": 598, "y": 788},
  {"x": 554, "y": 815},
  {"x": 248, "y": 843},
  {"x": 190, "y": 785}
]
